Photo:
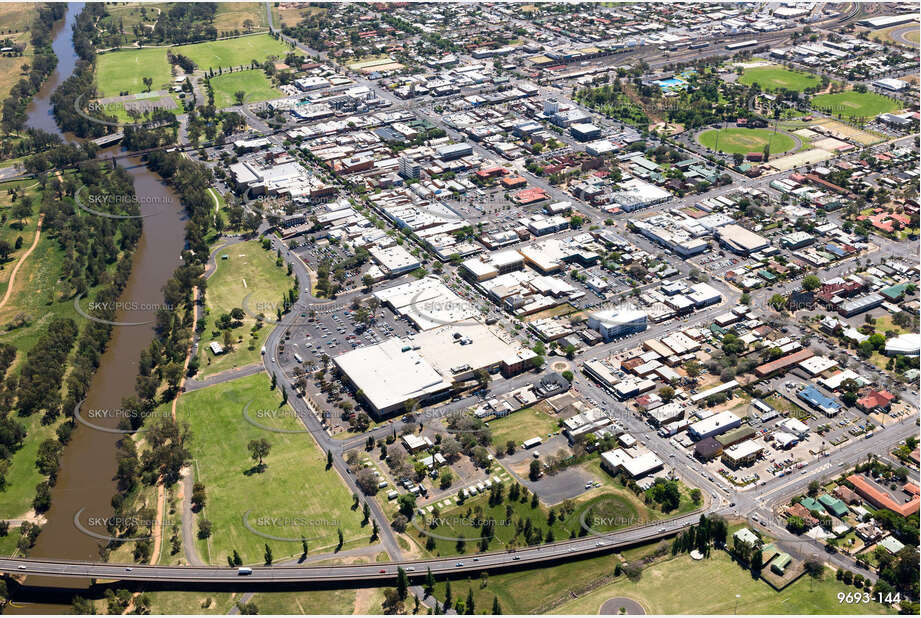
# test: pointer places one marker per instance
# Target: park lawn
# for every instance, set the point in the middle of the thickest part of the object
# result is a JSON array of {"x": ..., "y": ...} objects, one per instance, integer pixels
[
  {"x": 170, "y": 602},
  {"x": 121, "y": 114},
  {"x": 306, "y": 602},
  {"x": 255, "y": 86},
  {"x": 743, "y": 141},
  {"x": 9, "y": 544},
  {"x": 646, "y": 513},
  {"x": 130, "y": 15},
  {"x": 231, "y": 15},
  {"x": 527, "y": 591},
  {"x": 295, "y": 488},
  {"x": 234, "y": 52},
  {"x": 884, "y": 323},
  {"x": 602, "y": 513},
  {"x": 777, "y": 77},
  {"x": 682, "y": 585},
  {"x": 9, "y": 233},
  {"x": 22, "y": 476},
  {"x": 249, "y": 272},
  {"x": 124, "y": 70},
  {"x": 854, "y": 104},
  {"x": 522, "y": 425},
  {"x": 219, "y": 201}
]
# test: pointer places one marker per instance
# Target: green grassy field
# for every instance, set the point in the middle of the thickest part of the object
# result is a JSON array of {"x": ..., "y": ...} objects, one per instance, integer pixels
[
  {"x": 522, "y": 425},
  {"x": 233, "y": 52},
  {"x": 293, "y": 496},
  {"x": 254, "y": 84},
  {"x": 777, "y": 77},
  {"x": 250, "y": 273},
  {"x": 682, "y": 585},
  {"x": 853, "y": 104},
  {"x": 336, "y": 602},
  {"x": 22, "y": 475},
  {"x": 602, "y": 513},
  {"x": 523, "y": 592},
  {"x": 124, "y": 70},
  {"x": 187, "y": 602},
  {"x": 735, "y": 140}
]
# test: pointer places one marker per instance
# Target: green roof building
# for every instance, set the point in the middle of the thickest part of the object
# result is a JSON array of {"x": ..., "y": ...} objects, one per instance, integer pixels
[
  {"x": 780, "y": 563},
  {"x": 812, "y": 505},
  {"x": 894, "y": 292},
  {"x": 833, "y": 505}
]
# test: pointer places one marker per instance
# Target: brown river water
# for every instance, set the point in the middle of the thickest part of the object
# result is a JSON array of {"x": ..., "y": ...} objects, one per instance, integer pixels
[{"x": 85, "y": 483}]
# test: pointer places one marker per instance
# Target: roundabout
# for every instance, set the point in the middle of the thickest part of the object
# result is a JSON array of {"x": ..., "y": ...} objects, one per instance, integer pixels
[
  {"x": 735, "y": 140},
  {"x": 612, "y": 607}
]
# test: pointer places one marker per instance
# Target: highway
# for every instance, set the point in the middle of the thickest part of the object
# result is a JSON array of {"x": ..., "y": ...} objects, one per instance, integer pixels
[{"x": 381, "y": 571}]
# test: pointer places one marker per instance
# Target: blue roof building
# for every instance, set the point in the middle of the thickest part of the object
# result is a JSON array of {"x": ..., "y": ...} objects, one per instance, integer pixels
[{"x": 817, "y": 400}]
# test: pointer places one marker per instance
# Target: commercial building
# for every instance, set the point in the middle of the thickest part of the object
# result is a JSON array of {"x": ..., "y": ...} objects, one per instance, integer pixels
[
  {"x": 634, "y": 194},
  {"x": 782, "y": 364},
  {"x": 584, "y": 131},
  {"x": 611, "y": 323},
  {"x": 394, "y": 260},
  {"x": 817, "y": 400},
  {"x": 879, "y": 498},
  {"x": 423, "y": 367},
  {"x": 704, "y": 295},
  {"x": 739, "y": 240},
  {"x": 390, "y": 374},
  {"x": 856, "y": 306},
  {"x": 450, "y": 152},
  {"x": 409, "y": 168},
  {"x": 725, "y": 387},
  {"x": 742, "y": 454},
  {"x": 618, "y": 460},
  {"x": 714, "y": 425},
  {"x": 908, "y": 344}
]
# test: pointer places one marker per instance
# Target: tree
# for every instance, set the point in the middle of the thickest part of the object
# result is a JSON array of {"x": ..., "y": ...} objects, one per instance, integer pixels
[
  {"x": 469, "y": 606},
  {"x": 534, "y": 470},
  {"x": 148, "y": 82},
  {"x": 429, "y": 581},
  {"x": 814, "y": 568},
  {"x": 259, "y": 450},
  {"x": 496, "y": 608},
  {"x": 811, "y": 283},
  {"x": 667, "y": 393},
  {"x": 329, "y": 459},
  {"x": 402, "y": 584},
  {"x": 268, "y": 555},
  {"x": 198, "y": 496}
]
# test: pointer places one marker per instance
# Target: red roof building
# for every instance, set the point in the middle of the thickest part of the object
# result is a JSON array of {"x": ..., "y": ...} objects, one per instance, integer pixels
[
  {"x": 880, "y": 499},
  {"x": 874, "y": 400},
  {"x": 783, "y": 363}
]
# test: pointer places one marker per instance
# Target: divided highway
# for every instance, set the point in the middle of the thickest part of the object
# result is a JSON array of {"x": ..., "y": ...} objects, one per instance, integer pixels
[{"x": 386, "y": 571}]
